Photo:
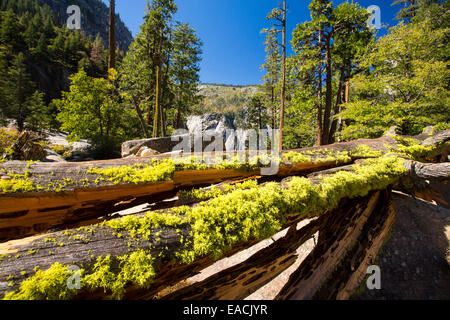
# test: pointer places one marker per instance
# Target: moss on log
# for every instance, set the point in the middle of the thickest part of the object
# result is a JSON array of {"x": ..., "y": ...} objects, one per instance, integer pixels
[
  {"x": 137, "y": 256},
  {"x": 38, "y": 197}
]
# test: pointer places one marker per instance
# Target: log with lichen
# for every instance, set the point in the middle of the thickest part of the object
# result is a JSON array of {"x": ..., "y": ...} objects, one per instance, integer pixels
[
  {"x": 36, "y": 197},
  {"x": 138, "y": 256},
  {"x": 177, "y": 243}
]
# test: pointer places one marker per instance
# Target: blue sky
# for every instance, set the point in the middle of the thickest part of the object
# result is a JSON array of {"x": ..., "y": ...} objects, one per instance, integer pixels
[{"x": 233, "y": 48}]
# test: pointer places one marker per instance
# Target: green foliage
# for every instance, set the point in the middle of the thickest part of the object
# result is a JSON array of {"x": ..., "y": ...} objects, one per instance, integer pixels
[
  {"x": 203, "y": 194},
  {"x": 326, "y": 155},
  {"x": 62, "y": 150},
  {"x": 259, "y": 212},
  {"x": 441, "y": 126},
  {"x": 161, "y": 71},
  {"x": 16, "y": 185},
  {"x": 45, "y": 285},
  {"x": 153, "y": 172},
  {"x": 21, "y": 101},
  {"x": 31, "y": 32},
  {"x": 327, "y": 49},
  {"x": 256, "y": 114},
  {"x": 145, "y": 226},
  {"x": 137, "y": 268},
  {"x": 272, "y": 66},
  {"x": 363, "y": 151},
  {"x": 416, "y": 152},
  {"x": 186, "y": 50},
  {"x": 413, "y": 9},
  {"x": 92, "y": 110},
  {"x": 407, "y": 85},
  {"x": 7, "y": 139}
]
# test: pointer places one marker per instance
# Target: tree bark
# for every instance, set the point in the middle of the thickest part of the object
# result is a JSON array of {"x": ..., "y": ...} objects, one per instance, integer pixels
[
  {"x": 320, "y": 92},
  {"x": 283, "y": 84},
  {"x": 156, "y": 116},
  {"x": 329, "y": 93},
  {"x": 363, "y": 220},
  {"x": 141, "y": 118},
  {"x": 337, "y": 107},
  {"x": 112, "y": 36}
]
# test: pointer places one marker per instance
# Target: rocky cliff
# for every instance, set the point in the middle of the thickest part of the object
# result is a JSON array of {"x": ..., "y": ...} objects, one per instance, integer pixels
[{"x": 94, "y": 19}]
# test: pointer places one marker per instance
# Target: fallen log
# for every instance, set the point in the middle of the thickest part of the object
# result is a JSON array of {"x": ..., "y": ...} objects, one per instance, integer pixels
[
  {"x": 238, "y": 282},
  {"x": 182, "y": 241},
  {"x": 39, "y": 197},
  {"x": 175, "y": 244},
  {"x": 325, "y": 272}
]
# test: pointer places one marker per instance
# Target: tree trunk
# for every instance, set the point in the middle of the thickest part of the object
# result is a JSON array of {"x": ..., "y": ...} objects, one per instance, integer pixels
[
  {"x": 272, "y": 104},
  {"x": 141, "y": 118},
  {"x": 319, "y": 92},
  {"x": 179, "y": 104},
  {"x": 88, "y": 195},
  {"x": 329, "y": 94},
  {"x": 283, "y": 84},
  {"x": 162, "y": 119},
  {"x": 328, "y": 271},
  {"x": 112, "y": 36},
  {"x": 157, "y": 102},
  {"x": 337, "y": 107}
]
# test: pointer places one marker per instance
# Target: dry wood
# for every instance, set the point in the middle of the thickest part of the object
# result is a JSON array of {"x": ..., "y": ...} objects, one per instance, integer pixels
[{"x": 336, "y": 239}]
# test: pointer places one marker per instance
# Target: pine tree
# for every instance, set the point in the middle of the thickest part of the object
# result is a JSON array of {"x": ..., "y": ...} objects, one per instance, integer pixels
[
  {"x": 10, "y": 30},
  {"x": 41, "y": 47},
  {"x": 154, "y": 40},
  {"x": 97, "y": 55},
  {"x": 272, "y": 66},
  {"x": 19, "y": 92},
  {"x": 279, "y": 15},
  {"x": 186, "y": 50},
  {"x": 333, "y": 35}
]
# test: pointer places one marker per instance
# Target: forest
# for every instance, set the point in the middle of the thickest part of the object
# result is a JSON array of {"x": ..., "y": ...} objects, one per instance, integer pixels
[{"x": 341, "y": 83}]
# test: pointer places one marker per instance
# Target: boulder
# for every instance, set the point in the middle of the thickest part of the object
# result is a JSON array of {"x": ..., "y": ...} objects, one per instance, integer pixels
[
  {"x": 160, "y": 145},
  {"x": 147, "y": 152}
]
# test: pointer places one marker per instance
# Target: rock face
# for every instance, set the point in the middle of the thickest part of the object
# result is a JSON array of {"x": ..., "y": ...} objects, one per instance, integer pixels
[
  {"x": 210, "y": 122},
  {"x": 156, "y": 145},
  {"x": 94, "y": 19},
  {"x": 202, "y": 132}
]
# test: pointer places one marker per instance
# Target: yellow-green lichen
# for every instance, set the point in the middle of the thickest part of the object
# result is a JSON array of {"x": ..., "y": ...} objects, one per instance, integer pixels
[
  {"x": 203, "y": 194},
  {"x": 135, "y": 268},
  {"x": 145, "y": 226},
  {"x": 16, "y": 185},
  {"x": 45, "y": 285},
  {"x": 364, "y": 151},
  {"x": 320, "y": 155},
  {"x": 154, "y": 172}
]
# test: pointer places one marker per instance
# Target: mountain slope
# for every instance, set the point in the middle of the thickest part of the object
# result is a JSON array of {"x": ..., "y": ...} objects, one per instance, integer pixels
[
  {"x": 225, "y": 98},
  {"x": 94, "y": 19}
]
